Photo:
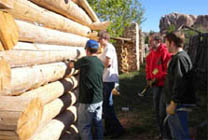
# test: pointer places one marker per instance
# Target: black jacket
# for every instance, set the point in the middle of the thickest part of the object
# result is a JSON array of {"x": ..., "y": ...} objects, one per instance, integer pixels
[{"x": 178, "y": 81}]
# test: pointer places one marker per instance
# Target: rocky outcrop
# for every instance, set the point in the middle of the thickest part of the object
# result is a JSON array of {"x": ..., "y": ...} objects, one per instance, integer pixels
[
  {"x": 177, "y": 20},
  {"x": 201, "y": 22}
]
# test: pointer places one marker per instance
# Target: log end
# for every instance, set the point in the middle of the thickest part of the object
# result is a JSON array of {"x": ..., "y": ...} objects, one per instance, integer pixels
[
  {"x": 5, "y": 74},
  {"x": 30, "y": 119}
]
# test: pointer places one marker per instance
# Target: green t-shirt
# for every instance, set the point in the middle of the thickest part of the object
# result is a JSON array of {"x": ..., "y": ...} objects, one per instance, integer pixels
[{"x": 91, "y": 79}]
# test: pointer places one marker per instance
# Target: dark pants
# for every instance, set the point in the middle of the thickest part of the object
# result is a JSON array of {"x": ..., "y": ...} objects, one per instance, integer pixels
[
  {"x": 160, "y": 111},
  {"x": 112, "y": 124}
]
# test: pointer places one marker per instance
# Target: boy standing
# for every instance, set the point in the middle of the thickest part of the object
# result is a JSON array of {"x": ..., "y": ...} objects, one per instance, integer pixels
[
  {"x": 178, "y": 92},
  {"x": 90, "y": 92}
]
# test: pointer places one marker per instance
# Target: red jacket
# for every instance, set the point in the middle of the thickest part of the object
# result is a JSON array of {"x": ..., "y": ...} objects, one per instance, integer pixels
[{"x": 156, "y": 64}]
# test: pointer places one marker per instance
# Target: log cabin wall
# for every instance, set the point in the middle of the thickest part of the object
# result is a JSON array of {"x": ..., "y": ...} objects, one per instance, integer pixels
[{"x": 38, "y": 93}]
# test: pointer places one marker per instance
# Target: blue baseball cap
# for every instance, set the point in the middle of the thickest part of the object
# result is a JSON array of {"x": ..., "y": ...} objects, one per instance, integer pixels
[{"x": 92, "y": 44}]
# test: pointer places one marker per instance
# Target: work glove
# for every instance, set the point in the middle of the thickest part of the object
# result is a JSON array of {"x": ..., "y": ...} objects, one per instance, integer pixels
[
  {"x": 150, "y": 83},
  {"x": 171, "y": 108},
  {"x": 116, "y": 89}
]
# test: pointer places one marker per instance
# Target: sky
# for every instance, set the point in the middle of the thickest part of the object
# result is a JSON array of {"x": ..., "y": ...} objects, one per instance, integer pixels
[{"x": 155, "y": 9}]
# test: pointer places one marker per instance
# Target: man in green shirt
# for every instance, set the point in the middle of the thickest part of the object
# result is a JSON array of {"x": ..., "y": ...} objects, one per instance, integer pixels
[{"x": 90, "y": 92}]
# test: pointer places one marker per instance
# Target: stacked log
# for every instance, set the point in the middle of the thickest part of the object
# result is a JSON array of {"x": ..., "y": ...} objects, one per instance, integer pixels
[{"x": 38, "y": 92}]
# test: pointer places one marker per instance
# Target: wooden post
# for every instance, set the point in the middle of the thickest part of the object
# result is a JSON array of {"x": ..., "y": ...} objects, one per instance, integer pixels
[
  {"x": 26, "y": 10},
  {"x": 33, "y": 33}
]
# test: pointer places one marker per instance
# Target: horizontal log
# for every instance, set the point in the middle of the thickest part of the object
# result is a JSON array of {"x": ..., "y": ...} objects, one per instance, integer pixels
[
  {"x": 8, "y": 30},
  {"x": 26, "y": 10},
  {"x": 100, "y": 25},
  {"x": 34, "y": 33},
  {"x": 51, "y": 91},
  {"x": 17, "y": 58},
  {"x": 72, "y": 133},
  {"x": 6, "y": 4},
  {"x": 66, "y": 8},
  {"x": 26, "y": 78},
  {"x": 84, "y": 4},
  {"x": 36, "y": 46},
  {"x": 19, "y": 114},
  {"x": 59, "y": 105},
  {"x": 8, "y": 135},
  {"x": 55, "y": 127}
]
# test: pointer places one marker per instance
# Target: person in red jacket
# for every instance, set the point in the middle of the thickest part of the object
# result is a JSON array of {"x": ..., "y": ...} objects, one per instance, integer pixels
[{"x": 156, "y": 70}]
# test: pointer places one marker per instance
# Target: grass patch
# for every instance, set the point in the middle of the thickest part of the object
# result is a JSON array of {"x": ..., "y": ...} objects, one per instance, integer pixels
[{"x": 140, "y": 121}]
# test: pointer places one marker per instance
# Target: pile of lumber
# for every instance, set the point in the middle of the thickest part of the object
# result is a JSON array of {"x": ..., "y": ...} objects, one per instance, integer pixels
[{"x": 38, "y": 93}]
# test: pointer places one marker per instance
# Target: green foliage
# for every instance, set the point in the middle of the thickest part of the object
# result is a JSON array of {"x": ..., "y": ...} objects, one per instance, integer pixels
[
  {"x": 171, "y": 28},
  {"x": 121, "y": 13}
]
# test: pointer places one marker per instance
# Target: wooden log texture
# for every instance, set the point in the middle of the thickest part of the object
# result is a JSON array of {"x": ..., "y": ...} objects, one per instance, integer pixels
[
  {"x": 85, "y": 5},
  {"x": 5, "y": 74},
  {"x": 34, "y": 33},
  {"x": 5, "y": 4},
  {"x": 71, "y": 134},
  {"x": 100, "y": 25},
  {"x": 66, "y": 8},
  {"x": 55, "y": 127},
  {"x": 26, "y": 78},
  {"x": 8, "y": 135},
  {"x": 36, "y": 46},
  {"x": 8, "y": 31},
  {"x": 20, "y": 114},
  {"x": 59, "y": 105},
  {"x": 51, "y": 91},
  {"x": 18, "y": 58},
  {"x": 1, "y": 46},
  {"x": 26, "y": 10}
]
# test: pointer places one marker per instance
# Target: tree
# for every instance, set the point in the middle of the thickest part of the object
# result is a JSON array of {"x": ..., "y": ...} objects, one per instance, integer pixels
[{"x": 121, "y": 13}]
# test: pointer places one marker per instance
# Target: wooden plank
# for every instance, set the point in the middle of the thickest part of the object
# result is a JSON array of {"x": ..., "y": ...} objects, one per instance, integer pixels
[
  {"x": 8, "y": 135},
  {"x": 17, "y": 58},
  {"x": 26, "y": 10},
  {"x": 66, "y": 8},
  {"x": 34, "y": 33},
  {"x": 26, "y": 78},
  {"x": 8, "y": 31}
]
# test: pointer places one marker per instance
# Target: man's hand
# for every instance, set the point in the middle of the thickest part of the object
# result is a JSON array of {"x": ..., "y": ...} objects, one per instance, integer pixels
[
  {"x": 150, "y": 83},
  {"x": 171, "y": 108},
  {"x": 71, "y": 64}
]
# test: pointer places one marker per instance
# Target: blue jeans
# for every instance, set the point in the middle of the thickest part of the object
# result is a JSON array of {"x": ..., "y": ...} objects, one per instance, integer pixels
[
  {"x": 112, "y": 124},
  {"x": 90, "y": 115},
  {"x": 179, "y": 125}
]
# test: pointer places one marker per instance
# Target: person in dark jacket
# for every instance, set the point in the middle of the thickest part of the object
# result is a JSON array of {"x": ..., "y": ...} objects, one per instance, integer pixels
[{"x": 179, "y": 96}]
